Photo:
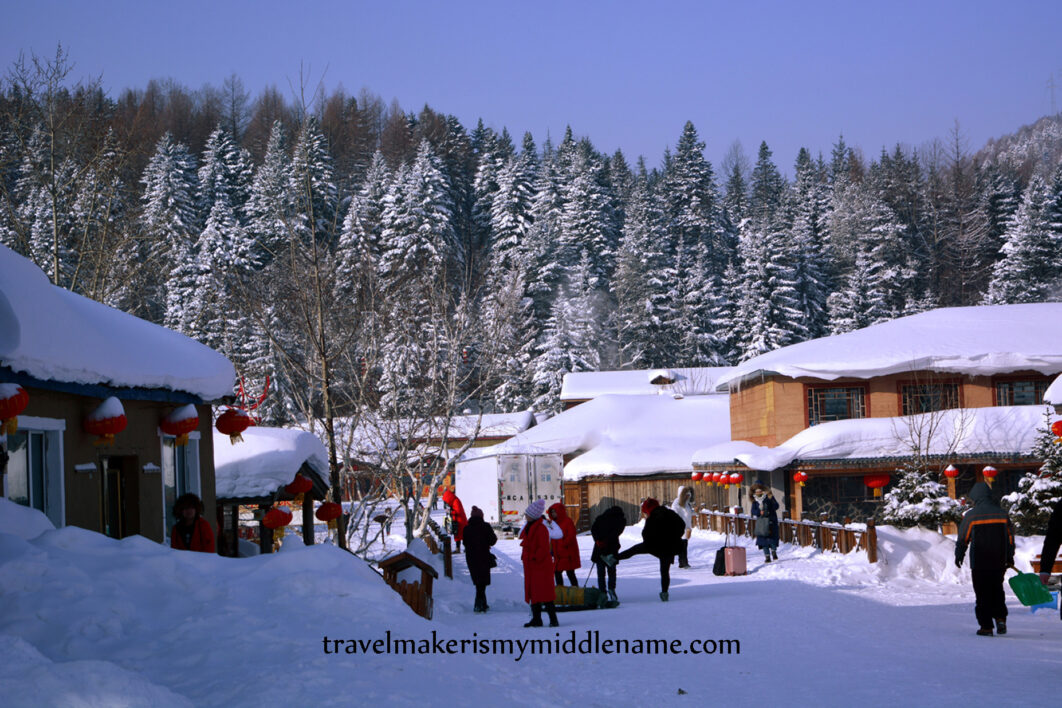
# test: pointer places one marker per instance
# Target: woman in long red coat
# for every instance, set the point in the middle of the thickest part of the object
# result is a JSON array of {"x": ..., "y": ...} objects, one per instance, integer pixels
[
  {"x": 457, "y": 516},
  {"x": 566, "y": 549},
  {"x": 191, "y": 532},
  {"x": 538, "y": 566}
]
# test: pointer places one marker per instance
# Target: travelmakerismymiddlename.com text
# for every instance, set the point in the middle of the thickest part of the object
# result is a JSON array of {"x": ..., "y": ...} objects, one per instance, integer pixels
[{"x": 589, "y": 642}]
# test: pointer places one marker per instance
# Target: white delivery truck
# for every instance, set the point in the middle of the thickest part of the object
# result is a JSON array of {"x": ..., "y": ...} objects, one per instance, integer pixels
[{"x": 503, "y": 485}]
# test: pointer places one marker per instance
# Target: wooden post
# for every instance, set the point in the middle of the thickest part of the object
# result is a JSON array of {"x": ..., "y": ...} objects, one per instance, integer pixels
[
  {"x": 265, "y": 538},
  {"x": 307, "y": 519},
  {"x": 448, "y": 562},
  {"x": 798, "y": 501},
  {"x": 872, "y": 542},
  {"x": 951, "y": 488}
]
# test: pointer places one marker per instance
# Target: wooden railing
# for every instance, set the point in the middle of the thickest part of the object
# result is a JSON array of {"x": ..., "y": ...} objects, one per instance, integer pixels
[
  {"x": 437, "y": 539},
  {"x": 821, "y": 534},
  {"x": 414, "y": 595}
]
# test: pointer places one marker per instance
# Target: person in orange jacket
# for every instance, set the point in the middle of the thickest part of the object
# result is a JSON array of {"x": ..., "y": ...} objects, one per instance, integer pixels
[
  {"x": 191, "y": 532},
  {"x": 539, "y": 589},
  {"x": 566, "y": 549},
  {"x": 458, "y": 518}
]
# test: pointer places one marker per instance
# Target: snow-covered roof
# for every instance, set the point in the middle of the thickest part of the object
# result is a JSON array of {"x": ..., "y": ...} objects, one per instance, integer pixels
[
  {"x": 585, "y": 385},
  {"x": 266, "y": 460},
  {"x": 1053, "y": 394},
  {"x": 53, "y": 334},
  {"x": 978, "y": 341},
  {"x": 491, "y": 425},
  {"x": 626, "y": 435},
  {"x": 964, "y": 431}
]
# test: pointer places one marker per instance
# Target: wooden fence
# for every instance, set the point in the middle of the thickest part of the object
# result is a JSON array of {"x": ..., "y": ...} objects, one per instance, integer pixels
[
  {"x": 416, "y": 596},
  {"x": 821, "y": 534},
  {"x": 437, "y": 539}
]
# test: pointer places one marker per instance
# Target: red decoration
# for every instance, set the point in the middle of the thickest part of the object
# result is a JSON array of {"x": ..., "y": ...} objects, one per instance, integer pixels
[
  {"x": 106, "y": 421},
  {"x": 232, "y": 423},
  {"x": 717, "y": 478},
  {"x": 276, "y": 518},
  {"x": 800, "y": 477},
  {"x": 182, "y": 427},
  {"x": 1056, "y": 428},
  {"x": 951, "y": 471},
  {"x": 989, "y": 473},
  {"x": 736, "y": 478},
  {"x": 300, "y": 485},
  {"x": 696, "y": 476},
  {"x": 13, "y": 400},
  {"x": 876, "y": 482},
  {"x": 329, "y": 511}
]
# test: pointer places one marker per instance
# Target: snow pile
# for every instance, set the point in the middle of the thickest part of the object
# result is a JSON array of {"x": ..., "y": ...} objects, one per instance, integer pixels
[
  {"x": 625, "y": 434},
  {"x": 978, "y": 341},
  {"x": 53, "y": 334},
  {"x": 1053, "y": 394},
  {"x": 266, "y": 460},
  {"x": 999, "y": 429},
  {"x": 183, "y": 413},
  {"x": 585, "y": 385},
  {"x": 111, "y": 407},
  {"x": 491, "y": 425},
  {"x": 22, "y": 521}
]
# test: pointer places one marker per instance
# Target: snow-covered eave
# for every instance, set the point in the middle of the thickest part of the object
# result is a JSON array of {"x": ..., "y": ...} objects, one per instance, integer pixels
[
  {"x": 725, "y": 384},
  {"x": 594, "y": 476},
  {"x": 103, "y": 390}
]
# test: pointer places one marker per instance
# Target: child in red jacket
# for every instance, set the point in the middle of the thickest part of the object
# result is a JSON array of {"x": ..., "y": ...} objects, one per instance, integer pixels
[
  {"x": 191, "y": 532},
  {"x": 566, "y": 548}
]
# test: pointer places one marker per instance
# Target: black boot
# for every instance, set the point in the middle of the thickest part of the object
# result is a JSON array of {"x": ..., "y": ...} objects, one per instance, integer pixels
[
  {"x": 536, "y": 615},
  {"x": 1001, "y": 626},
  {"x": 551, "y": 610}
]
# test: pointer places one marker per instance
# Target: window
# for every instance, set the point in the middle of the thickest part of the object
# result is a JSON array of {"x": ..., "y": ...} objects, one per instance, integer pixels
[
  {"x": 1020, "y": 393},
  {"x": 826, "y": 404},
  {"x": 926, "y": 398},
  {"x": 34, "y": 470},
  {"x": 180, "y": 475}
]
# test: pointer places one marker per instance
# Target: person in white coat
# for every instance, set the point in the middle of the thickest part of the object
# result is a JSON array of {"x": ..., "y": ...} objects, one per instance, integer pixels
[{"x": 683, "y": 506}]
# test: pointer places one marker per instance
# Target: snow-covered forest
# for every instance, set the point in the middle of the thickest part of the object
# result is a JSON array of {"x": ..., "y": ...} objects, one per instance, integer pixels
[{"x": 358, "y": 254}]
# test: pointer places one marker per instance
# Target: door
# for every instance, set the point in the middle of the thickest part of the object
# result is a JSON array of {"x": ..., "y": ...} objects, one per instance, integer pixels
[
  {"x": 515, "y": 488},
  {"x": 120, "y": 496}
]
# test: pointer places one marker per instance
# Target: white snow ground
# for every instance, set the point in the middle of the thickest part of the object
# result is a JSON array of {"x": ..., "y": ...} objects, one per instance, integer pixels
[{"x": 89, "y": 621}]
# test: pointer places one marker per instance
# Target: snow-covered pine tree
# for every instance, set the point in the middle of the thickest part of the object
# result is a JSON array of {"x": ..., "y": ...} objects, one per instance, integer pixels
[
  {"x": 640, "y": 285},
  {"x": 918, "y": 499},
  {"x": 271, "y": 205},
  {"x": 313, "y": 186},
  {"x": 810, "y": 277},
  {"x": 1038, "y": 492},
  {"x": 358, "y": 250},
  {"x": 1031, "y": 267},
  {"x": 587, "y": 222}
]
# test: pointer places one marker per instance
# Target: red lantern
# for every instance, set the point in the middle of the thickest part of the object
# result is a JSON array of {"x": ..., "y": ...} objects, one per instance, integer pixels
[
  {"x": 329, "y": 512},
  {"x": 300, "y": 485},
  {"x": 989, "y": 473},
  {"x": 717, "y": 478},
  {"x": 1056, "y": 428},
  {"x": 13, "y": 400},
  {"x": 232, "y": 423},
  {"x": 696, "y": 476},
  {"x": 951, "y": 471},
  {"x": 276, "y": 518},
  {"x": 800, "y": 477},
  {"x": 876, "y": 482},
  {"x": 736, "y": 478},
  {"x": 106, "y": 421},
  {"x": 180, "y": 422}
]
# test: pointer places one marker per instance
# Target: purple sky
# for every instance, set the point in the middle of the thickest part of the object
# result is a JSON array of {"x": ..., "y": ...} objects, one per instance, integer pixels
[{"x": 627, "y": 74}]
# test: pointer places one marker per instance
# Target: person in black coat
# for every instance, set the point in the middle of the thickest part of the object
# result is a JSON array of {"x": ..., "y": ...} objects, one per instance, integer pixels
[
  {"x": 764, "y": 504},
  {"x": 1052, "y": 540},
  {"x": 987, "y": 532},
  {"x": 606, "y": 531},
  {"x": 661, "y": 537},
  {"x": 479, "y": 537}
]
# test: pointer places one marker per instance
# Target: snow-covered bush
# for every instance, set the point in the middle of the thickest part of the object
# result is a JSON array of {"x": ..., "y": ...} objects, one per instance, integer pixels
[
  {"x": 1038, "y": 491},
  {"x": 918, "y": 499}
]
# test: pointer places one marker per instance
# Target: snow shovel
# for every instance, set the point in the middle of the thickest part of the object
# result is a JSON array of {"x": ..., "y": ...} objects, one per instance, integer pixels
[{"x": 1030, "y": 590}]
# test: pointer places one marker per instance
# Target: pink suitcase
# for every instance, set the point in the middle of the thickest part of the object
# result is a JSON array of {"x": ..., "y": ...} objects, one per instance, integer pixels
[{"x": 735, "y": 560}]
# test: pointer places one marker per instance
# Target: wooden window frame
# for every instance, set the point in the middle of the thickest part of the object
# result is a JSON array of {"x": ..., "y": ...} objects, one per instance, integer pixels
[
  {"x": 809, "y": 390},
  {"x": 957, "y": 382},
  {"x": 1011, "y": 379}
]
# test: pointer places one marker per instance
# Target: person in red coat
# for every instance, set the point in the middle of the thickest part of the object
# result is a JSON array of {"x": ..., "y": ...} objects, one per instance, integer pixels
[
  {"x": 565, "y": 549},
  {"x": 191, "y": 532},
  {"x": 457, "y": 517},
  {"x": 538, "y": 566}
]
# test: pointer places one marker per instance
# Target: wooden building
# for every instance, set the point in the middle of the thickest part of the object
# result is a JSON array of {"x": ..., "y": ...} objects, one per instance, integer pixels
[
  {"x": 802, "y": 408},
  {"x": 70, "y": 354}
]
